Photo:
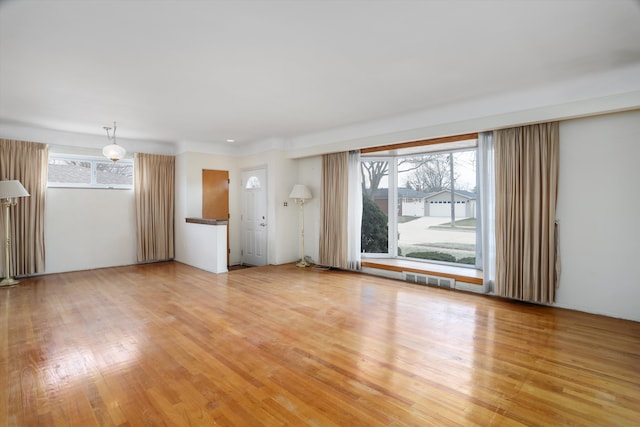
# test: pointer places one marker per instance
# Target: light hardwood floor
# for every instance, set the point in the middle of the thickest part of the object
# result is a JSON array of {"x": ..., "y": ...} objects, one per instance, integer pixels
[{"x": 167, "y": 344}]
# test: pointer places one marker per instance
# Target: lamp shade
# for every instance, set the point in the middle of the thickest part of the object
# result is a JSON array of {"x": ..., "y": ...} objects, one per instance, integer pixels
[
  {"x": 114, "y": 152},
  {"x": 300, "y": 192},
  {"x": 12, "y": 188}
]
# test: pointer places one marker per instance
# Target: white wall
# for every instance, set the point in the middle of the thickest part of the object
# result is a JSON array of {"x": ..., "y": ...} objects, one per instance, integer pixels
[
  {"x": 282, "y": 222},
  {"x": 79, "y": 143},
  {"x": 578, "y": 96},
  {"x": 89, "y": 228},
  {"x": 598, "y": 208},
  {"x": 600, "y": 157},
  {"x": 310, "y": 174},
  {"x": 75, "y": 236},
  {"x": 86, "y": 228},
  {"x": 189, "y": 168},
  {"x": 284, "y": 177},
  {"x": 599, "y": 211}
]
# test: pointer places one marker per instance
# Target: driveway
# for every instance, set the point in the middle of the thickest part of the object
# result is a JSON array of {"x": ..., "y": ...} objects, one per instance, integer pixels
[{"x": 423, "y": 234}]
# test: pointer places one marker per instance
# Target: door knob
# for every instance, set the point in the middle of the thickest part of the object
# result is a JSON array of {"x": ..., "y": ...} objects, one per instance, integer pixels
[{"x": 263, "y": 224}]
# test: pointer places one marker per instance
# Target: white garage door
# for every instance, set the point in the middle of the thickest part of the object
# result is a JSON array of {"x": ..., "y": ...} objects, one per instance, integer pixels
[{"x": 444, "y": 209}]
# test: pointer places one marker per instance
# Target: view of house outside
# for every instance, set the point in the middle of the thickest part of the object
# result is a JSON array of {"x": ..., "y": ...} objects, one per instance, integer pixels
[
  {"x": 435, "y": 206},
  {"x": 76, "y": 171}
]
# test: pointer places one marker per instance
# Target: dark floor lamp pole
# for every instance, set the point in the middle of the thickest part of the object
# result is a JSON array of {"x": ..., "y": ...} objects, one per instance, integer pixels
[{"x": 10, "y": 190}]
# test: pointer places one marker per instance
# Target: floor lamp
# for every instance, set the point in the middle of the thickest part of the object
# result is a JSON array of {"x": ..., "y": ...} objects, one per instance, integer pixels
[
  {"x": 301, "y": 193},
  {"x": 10, "y": 190}
]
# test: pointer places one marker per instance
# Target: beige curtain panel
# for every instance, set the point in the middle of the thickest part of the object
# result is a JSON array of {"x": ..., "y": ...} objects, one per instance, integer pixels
[
  {"x": 154, "y": 190},
  {"x": 526, "y": 163},
  {"x": 334, "y": 210},
  {"x": 28, "y": 162}
]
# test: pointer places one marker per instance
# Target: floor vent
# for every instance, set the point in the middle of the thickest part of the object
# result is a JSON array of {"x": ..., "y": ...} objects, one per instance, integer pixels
[{"x": 424, "y": 279}]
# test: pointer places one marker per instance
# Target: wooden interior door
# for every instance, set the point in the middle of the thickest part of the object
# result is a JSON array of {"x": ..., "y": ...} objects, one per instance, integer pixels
[{"x": 215, "y": 197}]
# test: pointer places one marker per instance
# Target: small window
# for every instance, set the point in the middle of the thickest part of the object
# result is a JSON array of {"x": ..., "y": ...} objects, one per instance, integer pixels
[
  {"x": 89, "y": 172},
  {"x": 252, "y": 183}
]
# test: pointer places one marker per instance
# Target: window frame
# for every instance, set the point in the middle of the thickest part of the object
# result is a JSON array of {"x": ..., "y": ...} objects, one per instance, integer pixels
[
  {"x": 392, "y": 154},
  {"x": 94, "y": 161},
  {"x": 391, "y": 212}
]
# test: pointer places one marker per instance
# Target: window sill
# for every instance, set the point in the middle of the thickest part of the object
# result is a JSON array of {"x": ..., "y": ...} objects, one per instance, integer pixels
[{"x": 467, "y": 275}]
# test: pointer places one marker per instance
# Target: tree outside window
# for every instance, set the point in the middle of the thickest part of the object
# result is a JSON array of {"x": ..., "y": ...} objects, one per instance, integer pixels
[{"x": 435, "y": 202}]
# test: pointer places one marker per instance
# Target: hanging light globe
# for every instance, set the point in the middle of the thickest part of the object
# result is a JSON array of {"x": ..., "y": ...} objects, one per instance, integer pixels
[{"x": 113, "y": 152}]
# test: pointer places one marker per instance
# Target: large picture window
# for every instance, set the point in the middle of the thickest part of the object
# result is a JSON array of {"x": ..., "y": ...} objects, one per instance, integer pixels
[{"x": 422, "y": 205}]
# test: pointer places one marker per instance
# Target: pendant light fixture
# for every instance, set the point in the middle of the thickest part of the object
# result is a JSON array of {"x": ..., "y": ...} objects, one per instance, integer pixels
[{"x": 113, "y": 151}]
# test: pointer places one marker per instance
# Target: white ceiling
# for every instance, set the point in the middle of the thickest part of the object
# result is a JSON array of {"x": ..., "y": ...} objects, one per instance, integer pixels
[{"x": 208, "y": 71}]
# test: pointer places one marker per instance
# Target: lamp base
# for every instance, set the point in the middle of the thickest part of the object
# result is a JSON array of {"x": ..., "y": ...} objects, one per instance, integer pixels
[
  {"x": 9, "y": 281},
  {"x": 302, "y": 263}
]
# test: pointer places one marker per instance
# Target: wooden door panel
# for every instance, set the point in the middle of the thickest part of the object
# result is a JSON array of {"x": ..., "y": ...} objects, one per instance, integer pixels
[
  {"x": 215, "y": 194},
  {"x": 215, "y": 197}
]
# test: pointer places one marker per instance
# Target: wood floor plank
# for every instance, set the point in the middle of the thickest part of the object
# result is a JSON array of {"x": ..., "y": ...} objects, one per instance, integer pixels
[{"x": 168, "y": 344}]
